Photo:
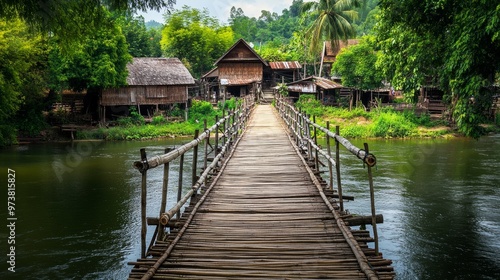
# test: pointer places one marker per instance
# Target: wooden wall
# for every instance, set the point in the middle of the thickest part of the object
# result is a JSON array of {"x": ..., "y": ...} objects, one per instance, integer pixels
[
  {"x": 241, "y": 73},
  {"x": 144, "y": 95}
]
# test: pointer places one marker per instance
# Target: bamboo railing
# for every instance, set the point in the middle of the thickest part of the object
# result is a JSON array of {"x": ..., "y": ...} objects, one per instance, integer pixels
[
  {"x": 226, "y": 130},
  {"x": 305, "y": 132}
]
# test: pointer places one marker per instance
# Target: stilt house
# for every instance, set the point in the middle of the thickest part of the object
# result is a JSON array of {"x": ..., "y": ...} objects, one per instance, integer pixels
[
  {"x": 151, "y": 82},
  {"x": 239, "y": 71}
]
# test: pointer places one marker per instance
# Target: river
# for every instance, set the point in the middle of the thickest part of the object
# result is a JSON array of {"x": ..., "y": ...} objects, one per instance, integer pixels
[{"x": 77, "y": 207}]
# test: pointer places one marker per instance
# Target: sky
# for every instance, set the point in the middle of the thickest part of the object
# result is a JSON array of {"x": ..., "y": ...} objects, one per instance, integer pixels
[{"x": 221, "y": 8}]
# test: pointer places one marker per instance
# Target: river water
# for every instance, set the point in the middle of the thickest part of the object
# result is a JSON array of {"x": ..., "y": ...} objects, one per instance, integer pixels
[{"x": 78, "y": 206}]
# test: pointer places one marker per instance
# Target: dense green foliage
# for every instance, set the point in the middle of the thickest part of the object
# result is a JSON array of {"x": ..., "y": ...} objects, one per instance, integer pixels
[
  {"x": 383, "y": 122},
  {"x": 452, "y": 44},
  {"x": 357, "y": 66},
  {"x": 142, "y": 42},
  {"x": 332, "y": 21},
  {"x": 21, "y": 79},
  {"x": 85, "y": 46},
  {"x": 133, "y": 126},
  {"x": 195, "y": 38},
  {"x": 269, "y": 27},
  {"x": 73, "y": 20}
]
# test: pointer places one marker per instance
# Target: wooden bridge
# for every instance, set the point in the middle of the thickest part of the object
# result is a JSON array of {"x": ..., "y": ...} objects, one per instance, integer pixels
[{"x": 260, "y": 209}]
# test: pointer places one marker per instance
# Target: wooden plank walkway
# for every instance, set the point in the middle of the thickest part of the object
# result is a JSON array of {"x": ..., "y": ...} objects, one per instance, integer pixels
[{"x": 263, "y": 219}]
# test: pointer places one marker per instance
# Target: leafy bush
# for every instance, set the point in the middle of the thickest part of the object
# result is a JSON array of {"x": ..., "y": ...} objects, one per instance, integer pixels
[
  {"x": 423, "y": 119},
  {"x": 136, "y": 118},
  {"x": 230, "y": 104},
  {"x": 389, "y": 125},
  {"x": 201, "y": 110},
  {"x": 7, "y": 135},
  {"x": 133, "y": 119},
  {"x": 309, "y": 104},
  {"x": 158, "y": 120}
]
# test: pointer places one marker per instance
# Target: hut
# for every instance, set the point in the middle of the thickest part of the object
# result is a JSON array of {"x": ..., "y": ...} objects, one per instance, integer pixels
[
  {"x": 327, "y": 91},
  {"x": 240, "y": 70},
  {"x": 285, "y": 71},
  {"x": 151, "y": 82}
]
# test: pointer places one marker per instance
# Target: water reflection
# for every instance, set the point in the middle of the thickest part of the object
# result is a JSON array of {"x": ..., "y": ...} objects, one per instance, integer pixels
[
  {"x": 440, "y": 202},
  {"x": 439, "y": 199}
]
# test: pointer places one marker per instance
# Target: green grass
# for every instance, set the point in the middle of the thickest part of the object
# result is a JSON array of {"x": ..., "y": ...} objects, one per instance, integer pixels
[
  {"x": 133, "y": 127},
  {"x": 383, "y": 122}
]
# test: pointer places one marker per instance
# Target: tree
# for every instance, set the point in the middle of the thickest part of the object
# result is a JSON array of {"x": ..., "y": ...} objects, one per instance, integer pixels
[
  {"x": 21, "y": 53},
  {"x": 196, "y": 38},
  {"x": 357, "y": 66},
  {"x": 136, "y": 35},
  {"x": 98, "y": 62},
  {"x": 453, "y": 43},
  {"x": 332, "y": 22},
  {"x": 72, "y": 20}
]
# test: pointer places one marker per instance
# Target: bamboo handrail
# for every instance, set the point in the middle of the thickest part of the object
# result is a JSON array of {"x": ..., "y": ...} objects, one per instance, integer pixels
[
  {"x": 293, "y": 118},
  {"x": 231, "y": 123},
  {"x": 368, "y": 158}
]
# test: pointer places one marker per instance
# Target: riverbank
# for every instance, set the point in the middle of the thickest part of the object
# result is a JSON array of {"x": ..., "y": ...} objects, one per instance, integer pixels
[
  {"x": 355, "y": 123},
  {"x": 381, "y": 122}
]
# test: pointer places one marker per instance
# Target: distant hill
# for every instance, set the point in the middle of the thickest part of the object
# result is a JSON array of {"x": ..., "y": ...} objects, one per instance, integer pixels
[{"x": 153, "y": 24}]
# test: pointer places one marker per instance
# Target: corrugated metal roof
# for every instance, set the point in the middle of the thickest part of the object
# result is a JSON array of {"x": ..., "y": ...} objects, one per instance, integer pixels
[
  {"x": 144, "y": 71},
  {"x": 280, "y": 65},
  {"x": 310, "y": 84},
  {"x": 326, "y": 84}
]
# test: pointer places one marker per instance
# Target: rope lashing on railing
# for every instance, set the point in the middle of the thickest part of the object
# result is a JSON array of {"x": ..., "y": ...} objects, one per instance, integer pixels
[{"x": 368, "y": 159}]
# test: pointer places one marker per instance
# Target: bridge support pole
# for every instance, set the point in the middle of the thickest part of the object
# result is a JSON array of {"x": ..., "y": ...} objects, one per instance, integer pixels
[
  {"x": 337, "y": 160},
  {"x": 164, "y": 193},
  {"x": 329, "y": 149},
  {"x": 195, "y": 159},
  {"x": 179, "y": 188},
  {"x": 372, "y": 199},
  {"x": 143, "y": 204}
]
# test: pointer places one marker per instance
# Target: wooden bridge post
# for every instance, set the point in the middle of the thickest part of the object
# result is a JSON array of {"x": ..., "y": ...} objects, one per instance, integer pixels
[
  {"x": 307, "y": 131},
  {"x": 216, "y": 144},
  {"x": 143, "y": 204},
  {"x": 372, "y": 200},
  {"x": 195, "y": 159},
  {"x": 224, "y": 127},
  {"x": 337, "y": 159},
  {"x": 316, "y": 156},
  {"x": 179, "y": 189},
  {"x": 297, "y": 127},
  {"x": 164, "y": 193},
  {"x": 329, "y": 149},
  {"x": 207, "y": 142},
  {"x": 233, "y": 126}
]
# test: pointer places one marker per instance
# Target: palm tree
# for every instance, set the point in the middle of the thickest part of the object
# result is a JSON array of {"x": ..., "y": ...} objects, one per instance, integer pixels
[{"x": 332, "y": 21}]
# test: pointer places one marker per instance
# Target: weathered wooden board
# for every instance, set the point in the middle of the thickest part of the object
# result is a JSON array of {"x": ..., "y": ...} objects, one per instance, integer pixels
[{"x": 264, "y": 219}]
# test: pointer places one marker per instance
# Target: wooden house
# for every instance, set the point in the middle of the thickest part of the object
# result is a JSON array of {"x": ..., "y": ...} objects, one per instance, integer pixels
[
  {"x": 151, "y": 82},
  {"x": 327, "y": 91},
  {"x": 239, "y": 71}
]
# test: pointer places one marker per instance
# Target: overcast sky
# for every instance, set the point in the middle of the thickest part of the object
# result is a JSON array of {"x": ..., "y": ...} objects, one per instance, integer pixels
[{"x": 220, "y": 8}]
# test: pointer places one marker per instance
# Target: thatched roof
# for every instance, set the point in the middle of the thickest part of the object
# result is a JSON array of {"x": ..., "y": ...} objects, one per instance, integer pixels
[{"x": 155, "y": 71}]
